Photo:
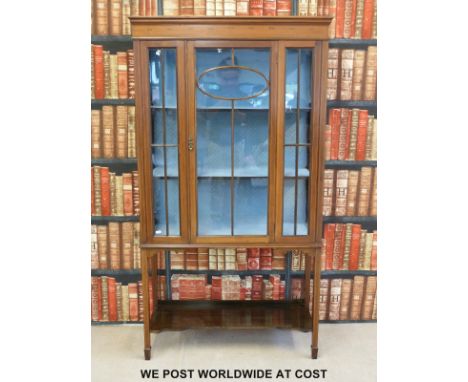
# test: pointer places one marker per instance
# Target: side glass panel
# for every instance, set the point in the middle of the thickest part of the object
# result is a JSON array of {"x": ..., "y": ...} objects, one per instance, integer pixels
[
  {"x": 297, "y": 121},
  {"x": 232, "y": 116},
  {"x": 164, "y": 144}
]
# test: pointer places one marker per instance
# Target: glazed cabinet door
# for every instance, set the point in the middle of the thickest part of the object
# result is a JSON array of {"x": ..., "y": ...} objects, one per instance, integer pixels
[
  {"x": 231, "y": 140},
  {"x": 160, "y": 76}
]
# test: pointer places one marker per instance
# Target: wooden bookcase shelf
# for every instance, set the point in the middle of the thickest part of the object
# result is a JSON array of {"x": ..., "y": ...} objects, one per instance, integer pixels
[
  {"x": 109, "y": 39},
  {"x": 350, "y": 164},
  {"x": 338, "y": 274},
  {"x": 116, "y": 272},
  {"x": 117, "y": 166},
  {"x": 351, "y": 43},
  {"x": 352, "y": 104},
  {"x": 106, "y": 219},
  {"x": 101, "y": 323},
  {"x": 350, "y": 219},
  {"x": 97, "y": 103}
]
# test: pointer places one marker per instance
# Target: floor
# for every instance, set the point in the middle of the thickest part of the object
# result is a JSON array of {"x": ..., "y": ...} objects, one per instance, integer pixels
[{"x": 346, "y": 351}]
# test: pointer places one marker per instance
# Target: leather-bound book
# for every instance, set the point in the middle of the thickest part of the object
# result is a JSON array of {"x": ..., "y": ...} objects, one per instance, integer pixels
[
  {"x": 101, "y": 15},
  {"x": 131, "y": 139},
  {"x": 323, "y": 255},
  {"x": 353, "y": 134},
  {"x": 256, "y": 8},
  {"x": 229, "y": 8},
  {"x": 177, "y": 259},
  {"x": 283, "y": 7},
  {"x": 253, "y": 258},
  {"x": 340, "y": 16},
  {"x": 343, "y": 140},
  {"x": 368, "y": 251},
  {"x": 127, "y": 245},
  {"x": 374, "y": 22},
  {"x": 278, "y": 260},
  {"x": 93, "y": 206},
  {"x": 108, "y": 132},
  {"x": 358, "y": 74},
  {"x": 370, "y": 86},
  {"x": 355, "y": 248},
  {"x": 370, "y": 129},
  {"x": 170, "y": 7},
  {"x": 351, "y": 201},
  {"x": 127, "y": 194},
  {"x": 364, "y": 191},
  {"x": 96, "y": 151},
  {"x": 115, "y": 17},
  {"x": 335, "y": 298},
  {"x": 98, "y": 71},
  {"x": 324, "y": 294},
  {"x": 373, "y": 201},
  {"x": 114, "y": 77},
  {"x": 131, "y": 74},
  {"x": 135, "y": 8},
  {"x": 97, "y": 190},
  {"x": 373, "y": 266},
  {"x": 347, "y": 246},
  {"x": 374, "y": 310},
  {"x": 362, "y": 135},
  {"x": 136, "y": 247},
  {"x": 219, "y": 7},
  {"x": 334, "y": 120},
  {"x": 136, "y": 193},
  {"x": 282, "y": 290},
  {"x": 341, "y": 192},
  {"x": 302, "y": 7},
  {"x": 347, "y": 20},
  {"x": 133, "y": 301},
  {"x": 345, "y": 298},
  {"x": 119, "y": 195},
  {"x": 95, "y": 299},
  {"x": 191, "y": 260},
  {"x": 269, "y": 7},
  {"x": 332, "y": 73},
  {"x": 241, "y": 259},
  {"x": 213, "y": 259},
  {"x": 104, "y": 299},
  {"x": 320, "y": 8},
  {"x": 257, "y": 286},
  {"x": 230, "y": 287},
  {"x": 93, "y": 96},
  {"x": 105, "y": 192},
  {"x": 330, "y": 240},
  {"x": 369, "y": 296},
  {"x": 230, "y": 259},
  {"x": 94, "y": 248},
  {"x": 103, "y": 250},
  {"x": 313, "y": 5},
  {"x": 107, "y": 79},
  {"x": 374, "y": 141},
  {"x": 220, "y": 258},
  {"x": 296, "y": 288},
  {"x": 114, "y": 245},
  {"x": 126, "y": 30},
  {"x": 210, "y": 7},
  {"x": 326, "y": 7},
  {"x": 199, "y": 7},
  {"x": 328, "y": 191},
  {"x": 118, "y": 297},
  {"x": 362, "y": 249},
  {"x": 327, "y": 142},
  {"x": 121, "y": 132},
  {"x": 140, "y": 300},
  {"x": 124, "y": 292},
  {"x": 295, "y": 260},
  {"x": 186, "y": 7},
  {"x": 113, "y": 199},
  {"x": 346, "y": 75},
  {"x": 358, "y": 19},
  {"x": 332, "y": 13},
  {"x": 112, "y": 299},
  {"x": 338, "y": 246},
  {"x": 122, "y": 74},
  {"x": 367, "y": 19},
  {"x": 216, "y": 286},
  {"x": 357, "y": 297},
  {"x": 242, "y": 7},
  {"x": 202, "y": 258}
]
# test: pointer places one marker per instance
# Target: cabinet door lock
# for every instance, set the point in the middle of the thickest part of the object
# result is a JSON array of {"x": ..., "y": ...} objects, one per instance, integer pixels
[{"x": 190, "y": 144}]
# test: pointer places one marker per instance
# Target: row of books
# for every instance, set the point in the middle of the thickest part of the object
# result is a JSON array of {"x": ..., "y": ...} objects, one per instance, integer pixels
[
  {"x": 350, "y": 192},
  {"x": 352, "y": 74},
  {"x": 343, "y": 299},
  {"x": 113, "y": 132},
  {"x": 112, "y": 301},
  {"x": 351, "y": 134},
  {"x": 220, "y": 259},
  {"x": 115, "y": 246},
  {"x": 114, "y": 195},
  {"x": 349, "y": 247},
  {"x": 112, "y": 75}
]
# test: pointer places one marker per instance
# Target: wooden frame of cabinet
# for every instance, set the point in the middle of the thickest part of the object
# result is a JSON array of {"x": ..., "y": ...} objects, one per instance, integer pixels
[{"x": 185, "y": 34}]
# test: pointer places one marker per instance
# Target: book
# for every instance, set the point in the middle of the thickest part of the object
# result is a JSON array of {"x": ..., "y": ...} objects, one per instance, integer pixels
[
  {"x": 373, "y": 266},
  {"x": 114, "y": 245},
  {"x": 327, "y": 142},
  {"x": 96, "y": 311},
  {"x": 131, "y": 74},
  {"x": 358, "y": 74},
  {"x": 368, "y": 298},
  {"x": 332, "y": 13},
  {"x": 368, "y": 251},
  {"x": 340, "y": 15},
  {"x": 334, "y": 119},
  {"x": 362, "y": 135},
  {"x": 107, "y": 74},
  {"x": 368, "y": 14},
  {"x": 186, "y": 7},
  {"x": 302, "y": 7},
  {"x": 229, "y": 7},
  {"x": 335, "y": 298},
  {"x": 355, "y": 247},
  {"x": 171, "y": 7},
  {"x": 324, "y": 293},
  {"x": 199, "y": 7},
  {"x": 269, "y": 7},
  {"x": 104, "y": 299},
  {"x": 283, "y": 7},
  {"x": 359, "y": 15},
  {"x": 96, "y": 177},
  {"x": 114, "y": 80},
  {"x": 127, "y": 194},
  {"x": 108, "y": 132},
  {"x": 122, "y": 74},
  {"x": 112, "y": 298},
  {"x": 341, "y": 192},
  {"x": 347, "y": 245},
  {"x": 126, "y": 11},
  {"x": 101, "y": 14},
  {"x": 313, "y": 8},
  {"x": 362, "y": 248},
  {"x": 98, "y": 71},
  {"x": 345, "y": 298},
  {"x": 344, "y": 134},
  {"x": 93, "y": 95},
  {"x": 347, "y": 19},
  {"x": 96, "y": 134},
  {"x": 125, "y": 313},
  {"x": 338, "y": 247},
  {"x": 118, "y": 296},
  {"x": 370, "y": 86},
  {"x": 105, "y": 191},
  {"x": 364, "y": 191},
  {"x": 133, "y": 301},
  {"x": 357, "y": 297},
  {"x": 121, "y": 132},
  {"x": 127, "y": 245},
  {"x": 346, "y": 74},
  {"x": 351, "y": 201},
  {"x": 370, "y": 128},
  {"x": 94, "y": 247},
  {"x": 115, "y": 17},
  {"x": 328, "y": 191},
  {"x": 332, "y": 73},
  {"x": 256, "y": 7},
  {"x": 330, "y": 240},
  {"x": 353, "y": 134}
]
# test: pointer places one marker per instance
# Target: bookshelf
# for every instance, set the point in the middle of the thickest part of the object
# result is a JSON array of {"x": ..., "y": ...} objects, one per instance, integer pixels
[{"x": 124, "y": 42}]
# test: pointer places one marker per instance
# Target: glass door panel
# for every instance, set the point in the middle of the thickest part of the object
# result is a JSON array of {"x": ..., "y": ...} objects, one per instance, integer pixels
[
  {"x": 164, "y": 134},
  {"x": 232, "y": 116},
  {"x": 297, "y": 122}
]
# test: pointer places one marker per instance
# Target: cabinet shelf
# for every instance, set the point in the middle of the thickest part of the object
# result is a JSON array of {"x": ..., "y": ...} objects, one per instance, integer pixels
[
  {"x": 351, "y": 219},
  {"x": 338, "y": 274},
  {"x": 118, "y": 166},
  {"x": 350, "y": 164},
  {"x": 97, "y": 103},
  {"x": 115, "y": 272},
  {"x": 351, "y": 42},
  {"x": 101, "y": 323},
  {"x": 355, "y": 104},
  {"x": 212, "y": 272},
  {"x": 347, "y": 321},
  {"x": 105, "y": 219}
]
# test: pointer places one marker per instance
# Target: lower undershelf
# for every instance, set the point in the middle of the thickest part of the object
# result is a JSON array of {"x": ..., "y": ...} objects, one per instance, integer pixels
[{"x": 180, "y": 315}]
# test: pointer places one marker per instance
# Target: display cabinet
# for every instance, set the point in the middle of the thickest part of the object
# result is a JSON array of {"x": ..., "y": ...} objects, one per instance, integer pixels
[{"x": 230, "y": 115}]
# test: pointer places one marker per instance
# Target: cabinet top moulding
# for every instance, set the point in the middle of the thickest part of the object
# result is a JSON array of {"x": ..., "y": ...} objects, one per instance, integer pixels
[{"x": 253, "y": 28}]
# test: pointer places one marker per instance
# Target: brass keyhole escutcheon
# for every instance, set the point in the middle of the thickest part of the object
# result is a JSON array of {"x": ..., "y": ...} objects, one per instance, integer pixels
[{"x": 190, "y": 144}]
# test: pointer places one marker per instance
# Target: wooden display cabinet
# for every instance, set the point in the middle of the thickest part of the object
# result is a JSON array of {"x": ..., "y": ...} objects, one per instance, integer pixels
[{"x": 230, "y": 117}]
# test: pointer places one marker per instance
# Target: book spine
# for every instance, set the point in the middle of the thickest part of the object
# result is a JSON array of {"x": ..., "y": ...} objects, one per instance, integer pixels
[
  {"x": 119, "y": 195},
  {"x": 116, "y": 17},
  {"x": 340, "y": 16},
  {"x": 324, "y": 293},
  {"x": 170, "y": 7},
  {"x": 358, "y": 19},
  {"x": 362, "y": 135},
  {"x": 94, "y": 248},
  {"x": 131, "y": 74},
  {"x": 370, "y": 85},
  {"x": 345, "y": 298},
  {"x": 122, "y": 74},
  {"x": 93, "y": 95},
  {"x": 362, "y": 249},
  {"x": 320, "y": 8},
  {"x": 374, "y": 141},
  {"x": 95, "y": 306},
  {"x": 219, "y": 7},
  {"x": 358, "y": 74},
  {"x": 127, "y": 245},
  {"x": 125, "y": 315},
  {"x": 134, "y": 11},
  {"x": 373, "y": 201},
  {"x": 368, "y": 298},
  {"x": 341, "y": 192},
  {"x": 118, "y": 297},
  {"x": 367, "y": 19},
  {"x": 353, "y": 134},
  {"x": 283, "y": 7},
  {"x": 327, "y": 142},
  {"x": 343, "y": 140},
  {"x": 335, "y": 123},
  {"x": 112, "y": 299},
  {"x": 133, "y": 301},
  {"x": 127, "y": 194},
  {"x": 330, "y": 240},
  {"x": 357, "y": 297},
  {"x": 93, "y": 206},
  {"x": 256, "y": 8},
  {"x": 229, "y": 8},
  {"x": 105, "y": 191},
  {"x": 114, "y": 245},
  {"x": 102, "y": 246},
  {"x": 113, "y": 206},
  {"x": 364, "y": 191},
  {"x": 186, "y": 7},
  {"x": 332, "y": 13},
  {"x": 199, "y": 7},
  {"x": 136, "y": 247},
  {"x": 121, "y": 132},
  {"x": 102, "y": 17},
  {"x": 210, "y": 7},
  {"x": 96, "y": 134},
  {"x": 313, "y": 8},
  {"x": 374, "y": 22},
  {"x": 98, "y": 71},
  {"x": 347, "y": 246},
  {"x": 326, "y": 7},
  {"x": 370, "y": 128},
  {"x": 114, "y": 81},
  {"x": 154, "y": 7},
  {"x": 108, "y": 131},
  {"x": 346, "y": 80},
  {"x": 107, "y": 80},
  {"x": 353, "y": 182},
  {"x": 332, "y": 73},
  {"x": 136, "y": 193},
  {"x": 140, "y": 300},
  {"x": 97, "y": 190},
  {"x": 368, "y": 251},
  {"x": 104, "y": 299},
  {"x": 348, "y": 12},
  {"x": 302, "y": 7},
  {"x": 373, "y": 265},
  {"x": 142, "y": 7},
  {"x": 335, "y": 298},
  {"x": 126, "y": 28},
  {"x": 355, "y": 247},
  {"x": 328, "y": 191},
  {"x": 269, "y": 7},
  {"x": 337, "y": 246},
  {"x": 131, "y": 139},
  {"x": 374, "y": 310}
]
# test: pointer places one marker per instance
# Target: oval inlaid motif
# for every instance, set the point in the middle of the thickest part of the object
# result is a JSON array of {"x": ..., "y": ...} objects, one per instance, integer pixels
[{"x": 232, "y": 83}]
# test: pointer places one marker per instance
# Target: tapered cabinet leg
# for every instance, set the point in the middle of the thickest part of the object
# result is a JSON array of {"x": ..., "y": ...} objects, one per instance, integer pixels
[
  {"x": 147, "y": 354},
  {"x": 315, "y": 304},
  {"x": 314, "y": 353},
  {"x": 146, "y": 313}
]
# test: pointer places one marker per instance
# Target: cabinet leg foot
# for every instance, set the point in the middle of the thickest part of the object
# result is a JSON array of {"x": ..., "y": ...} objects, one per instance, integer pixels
[
  {"x": 147, "y": 354},
  {"x": 314, "y": 353}
]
